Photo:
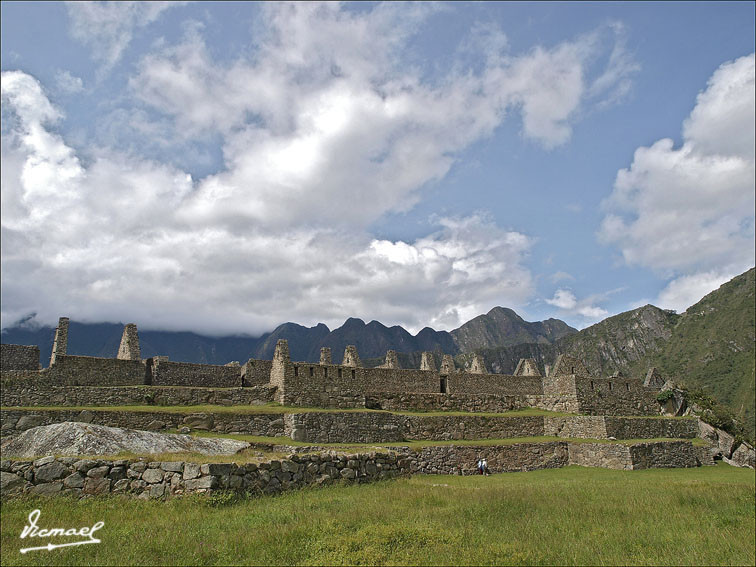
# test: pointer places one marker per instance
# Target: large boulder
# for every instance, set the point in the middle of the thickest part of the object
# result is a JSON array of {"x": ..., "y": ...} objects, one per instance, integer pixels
[
  {"x": 720, "y": 441},
  {"x": 743, "y": 456},
  {"x": 75, "y": 438}
]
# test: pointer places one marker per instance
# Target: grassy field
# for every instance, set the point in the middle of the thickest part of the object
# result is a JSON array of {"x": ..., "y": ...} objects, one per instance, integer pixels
[{"x": 571, "y": 516}]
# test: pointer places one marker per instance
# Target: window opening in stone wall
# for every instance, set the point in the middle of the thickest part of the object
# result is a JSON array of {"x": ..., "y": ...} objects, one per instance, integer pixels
[
  {"x": 591, "y": 384},
  {"x": 443, "y": 385},
  {"x": 353, "y": 374},
  {"x": 572, "y": 370},
  {"x": 627, "y": 386},
  {"x": 339, "y": 372},
  {"x": 610, "y": 385},
  {"x": 325, "y": 370},
  {"x": 296, "y": 371},
  {"x": 312, "y": 372}
]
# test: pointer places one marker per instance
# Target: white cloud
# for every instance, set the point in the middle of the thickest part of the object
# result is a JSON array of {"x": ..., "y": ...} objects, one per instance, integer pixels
[
  {"x": 324, "y": 128},
  {"x": 107, "y": 241},
  {"x": 568, "y": 303},
  {"x": 684, "y": 291},
  {"x": 108, "y": 27},
  {"x": 68, "y": 83},
  {"x": 688, "y": 212}
]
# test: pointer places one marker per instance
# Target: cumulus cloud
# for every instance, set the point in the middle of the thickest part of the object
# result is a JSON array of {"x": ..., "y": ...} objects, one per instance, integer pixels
[
  {"x": 108, "y": 27},
  {"x": 684, "y": 291},
  {"x": 319, "y": 115},
  {"x": 108, "y": 238},
  {"x": 323, "y": 128},
  {"x": 688, "y": 212},
  {"x": 569, "y": 304}
]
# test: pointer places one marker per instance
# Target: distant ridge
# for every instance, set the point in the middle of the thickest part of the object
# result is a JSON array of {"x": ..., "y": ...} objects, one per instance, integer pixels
[{"x": 498, "y": 327}]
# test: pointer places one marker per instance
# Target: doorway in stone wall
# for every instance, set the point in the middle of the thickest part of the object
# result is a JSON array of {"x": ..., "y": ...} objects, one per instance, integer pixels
[{"x": 443, "y": 385}]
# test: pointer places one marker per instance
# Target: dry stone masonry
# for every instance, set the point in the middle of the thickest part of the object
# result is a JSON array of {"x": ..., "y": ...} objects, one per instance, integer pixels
[{"x": 598, "y": 408}]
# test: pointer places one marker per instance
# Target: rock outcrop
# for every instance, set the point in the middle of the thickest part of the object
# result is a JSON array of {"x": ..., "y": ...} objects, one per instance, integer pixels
[{"x": 73, "y": 438}]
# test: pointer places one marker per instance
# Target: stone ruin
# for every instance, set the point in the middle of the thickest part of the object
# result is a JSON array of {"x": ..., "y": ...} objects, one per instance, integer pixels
[{"x": 579, "y": 405}]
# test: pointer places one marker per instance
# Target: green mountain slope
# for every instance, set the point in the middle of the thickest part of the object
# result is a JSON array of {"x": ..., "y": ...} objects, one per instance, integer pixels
[{"x": 712, "y": 347}]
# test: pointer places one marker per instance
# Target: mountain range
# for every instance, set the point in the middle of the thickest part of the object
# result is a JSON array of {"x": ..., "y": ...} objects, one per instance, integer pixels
[
  {"x": 499, "y": 327},
  {"x": 710, "y": 346}
]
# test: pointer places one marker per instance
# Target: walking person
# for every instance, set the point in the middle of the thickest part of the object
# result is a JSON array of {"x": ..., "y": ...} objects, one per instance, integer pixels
[{"x": 484, "y": 466}]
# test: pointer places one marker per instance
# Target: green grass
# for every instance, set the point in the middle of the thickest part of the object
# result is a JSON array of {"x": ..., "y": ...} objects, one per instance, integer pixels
[{"x": 571, "y": 516}]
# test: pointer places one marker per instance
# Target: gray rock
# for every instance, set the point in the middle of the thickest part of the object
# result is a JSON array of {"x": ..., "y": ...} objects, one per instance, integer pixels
[
  {"x": 96, "y": 486},
  {"x": 74, "y": 438},
  {"x": 117, "y": 473},
  {"x": 47, "y": 489},
  {"x": 50, "y": 472},
  {"x": 155, "y": 425},
  {"x": 744, "y": 456},
  {"x": 138, "y": 466},
  {"x": 201, "y": 483},
  {"x": 191, "y": 470},
  {"x": 177, "y": 466},
  {"x": 11, "y": 483},
  {"x": 29, "y": 421},
  {"x": 75, "y": 480},
  {"x": 219, "y": 468},
  {"x": 84, "y": 465},
  {"x": 121, "y": 485},
  {"x": 157, "y": 491},
  {"x": 85, "y": 416},
  {"x": 152, "y": 476},
  {"x": 199, "y": 421},
  {"x": 299, "y": 434},
  {"x": 99, "y": 472},
  {"x": 44, "y": 461},
  {"x": 347, "y": 473}
]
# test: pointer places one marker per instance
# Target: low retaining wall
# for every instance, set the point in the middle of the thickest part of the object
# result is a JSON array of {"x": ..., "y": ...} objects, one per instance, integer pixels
[
  {"x": 453, "y": 427},
  {"x": 268, "y": 425},
  {"x": 362, "y": 427},
  {"x": 461, "y": 459},
  {"x": 659, "y": 454},
  {"x": 169, "y": 373},
  {"x": 137, "y": 478},
  {"x": 19, "y": 357},
  {"x": 346, "y": 427},
  {"x": 22, "y": 393},
  {"x": 604, "y": 427}
]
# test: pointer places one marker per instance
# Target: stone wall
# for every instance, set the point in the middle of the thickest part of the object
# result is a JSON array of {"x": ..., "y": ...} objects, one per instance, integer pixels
[
  {"x": 397, "y": 401},
  {"x": 461, "y": 459},
  {"x": 256, "y": 372},
  {"x": 19, "y": 357},
  {"x": 268, "y": 425},
  {"x": 138, "y": 478},
  {"x": 345, "y": 427},
  {"x": 449, "y": 427},
  {"x": 615, "y": 396},
  {"x": 22, "y": 391},
  {"x": 659, "y": 454},
  {"x": 649, "y": 428},
  {"x": 606, "y": 455},
  {"x": 604, "y": 427},
  {"x": 93, "y": 371},
  {"x": 168, "y": 373},
  {"x": 501, "y": 384},
  {"x": 586, "y": 427}
]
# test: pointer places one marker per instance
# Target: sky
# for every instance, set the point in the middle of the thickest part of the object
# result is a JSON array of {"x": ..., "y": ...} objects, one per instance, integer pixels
[{"x": 227, "y": 167}]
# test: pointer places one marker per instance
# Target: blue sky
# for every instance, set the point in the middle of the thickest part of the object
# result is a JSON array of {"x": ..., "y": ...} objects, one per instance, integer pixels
[{"x": 225, "y": 167}]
